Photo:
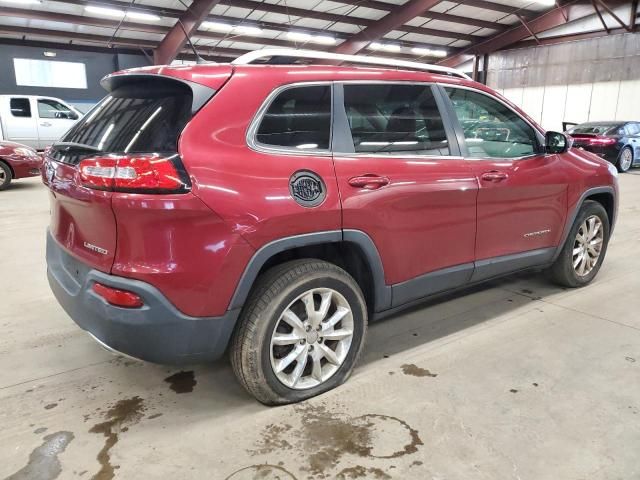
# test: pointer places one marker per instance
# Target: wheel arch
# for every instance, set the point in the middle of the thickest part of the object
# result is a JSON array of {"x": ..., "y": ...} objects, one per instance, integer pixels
[
  {"x": 352, "y": 250},
  {"x": 4, "y": 162},
  {"x": 603, "y": 195}
]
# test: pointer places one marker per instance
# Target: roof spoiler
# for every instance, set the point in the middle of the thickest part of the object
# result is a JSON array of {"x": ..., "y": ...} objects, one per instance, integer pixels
[{"x": 201, "y": 93}]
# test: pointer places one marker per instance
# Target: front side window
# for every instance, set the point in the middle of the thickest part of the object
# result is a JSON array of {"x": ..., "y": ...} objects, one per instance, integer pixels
[
  {"x": 20, "y": 107},
  {"x": 491, "y": 129},
  {"x": 298, "y": 118},
  {"x": 52, "y": 109},
  {"x": 395, "y": 119}
]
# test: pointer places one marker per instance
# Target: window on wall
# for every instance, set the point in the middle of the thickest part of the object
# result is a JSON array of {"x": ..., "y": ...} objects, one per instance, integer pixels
[
  {"x": 300, "y": 118},
  {"x": 395, "y": 119},
  {"x": 20, "y": 107},
  {"x": 52, "y": 74},
  {"x": 491, "y": 129},
  {"x": 51, "y": 109}
]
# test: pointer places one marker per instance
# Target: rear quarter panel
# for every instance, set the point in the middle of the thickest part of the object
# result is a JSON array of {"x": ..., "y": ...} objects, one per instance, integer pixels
[{"x": 250, "y": 189}]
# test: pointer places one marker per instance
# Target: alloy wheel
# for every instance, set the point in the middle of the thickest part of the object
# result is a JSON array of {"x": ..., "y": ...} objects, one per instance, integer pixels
[
  {"x": 625, "y": 159},
  {"x": 588, "y": 245},
  {"x": 312, "y": 338}
]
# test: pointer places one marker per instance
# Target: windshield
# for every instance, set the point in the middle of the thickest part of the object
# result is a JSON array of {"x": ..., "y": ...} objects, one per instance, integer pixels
[
  {"x": 595, "y": 128},
  {"x": 132, "y": 119}
]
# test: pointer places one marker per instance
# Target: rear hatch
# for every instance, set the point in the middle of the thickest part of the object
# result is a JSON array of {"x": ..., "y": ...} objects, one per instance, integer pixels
[
  {"x": 126, "y": 143},
  {"x": 594, "y": 137}
]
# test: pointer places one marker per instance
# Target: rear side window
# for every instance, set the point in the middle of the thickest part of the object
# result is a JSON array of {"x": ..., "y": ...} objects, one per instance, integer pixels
[
  {"x": 395, "y": 119},
  {"x": 299, "y": 118},
  {"x": 135, "y": 119},
  {"x": 491, "y": 129},
  {"x": 20, "y": 107}
]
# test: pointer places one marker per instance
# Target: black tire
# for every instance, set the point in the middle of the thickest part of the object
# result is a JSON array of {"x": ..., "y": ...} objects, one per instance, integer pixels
[
  {"x": 619, "y": 165},
  {"x": 563, "y": 271},
  {"x": 274, "y": 292},
  {"x": 5, "y": 176}
]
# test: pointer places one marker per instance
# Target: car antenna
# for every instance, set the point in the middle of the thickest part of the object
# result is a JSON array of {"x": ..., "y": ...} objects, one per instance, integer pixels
[{"x": 199, "y": 59}]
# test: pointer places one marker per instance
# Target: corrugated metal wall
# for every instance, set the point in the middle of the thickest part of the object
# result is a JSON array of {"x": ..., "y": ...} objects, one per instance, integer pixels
[{"x": 595, "y": 79}]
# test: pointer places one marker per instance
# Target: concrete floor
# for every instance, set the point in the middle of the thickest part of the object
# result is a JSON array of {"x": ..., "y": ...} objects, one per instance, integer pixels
[{"x": 518, "y": 379}]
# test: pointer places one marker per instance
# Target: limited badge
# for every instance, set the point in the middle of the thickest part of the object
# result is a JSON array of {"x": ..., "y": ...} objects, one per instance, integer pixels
[{"x": 307, "y": 188}]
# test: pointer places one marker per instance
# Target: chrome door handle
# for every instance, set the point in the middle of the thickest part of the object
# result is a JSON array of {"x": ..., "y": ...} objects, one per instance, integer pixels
[
  {"x": 45, "y": 124},
  {"x": 368, "y": 182},
  {"x": 494, "y": 176}
]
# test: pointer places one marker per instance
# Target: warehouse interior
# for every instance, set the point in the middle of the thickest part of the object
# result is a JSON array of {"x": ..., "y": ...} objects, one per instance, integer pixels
[{"x": 512, "y": 376}]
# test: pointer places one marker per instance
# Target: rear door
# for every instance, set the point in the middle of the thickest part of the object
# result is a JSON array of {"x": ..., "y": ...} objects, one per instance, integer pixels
[
  {"x": 136, "y": 117},
  {"x": 19, "y": 121},
  {"x": 403, "y": 183},
  {"x": 54, "y": 120},
  {"x": 522, "y": 200}
]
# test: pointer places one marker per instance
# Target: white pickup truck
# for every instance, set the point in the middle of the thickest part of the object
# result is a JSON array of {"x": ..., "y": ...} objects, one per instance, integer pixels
[{"x": 34, "y": 120}]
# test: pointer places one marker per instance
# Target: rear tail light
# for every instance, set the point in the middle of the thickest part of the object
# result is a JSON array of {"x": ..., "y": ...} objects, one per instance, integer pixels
[
  {"x": 119, "y": 298},
  {"x": 602, "y": 141},
  {"x": 144, "y": 173}
]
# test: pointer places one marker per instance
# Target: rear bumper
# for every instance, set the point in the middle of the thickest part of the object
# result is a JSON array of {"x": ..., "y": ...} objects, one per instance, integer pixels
[{"x": 157, "y": 332}]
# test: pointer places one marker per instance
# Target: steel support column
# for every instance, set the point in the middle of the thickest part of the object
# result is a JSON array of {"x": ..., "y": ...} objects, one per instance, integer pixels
[
  {"x": 176, "y": 39},
  {"x": 395, "y": 19}
]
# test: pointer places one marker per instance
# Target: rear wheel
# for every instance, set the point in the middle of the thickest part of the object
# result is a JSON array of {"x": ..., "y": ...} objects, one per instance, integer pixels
[
  {"x": 5, "y": 175},
  {"x": 626, "y": 160},
  {"x": 300, "y": 333},
  {"x": 585, "y": 248}
]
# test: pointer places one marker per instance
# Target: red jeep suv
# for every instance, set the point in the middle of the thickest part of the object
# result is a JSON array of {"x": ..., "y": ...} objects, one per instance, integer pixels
[{"x": 273, "y": 209}]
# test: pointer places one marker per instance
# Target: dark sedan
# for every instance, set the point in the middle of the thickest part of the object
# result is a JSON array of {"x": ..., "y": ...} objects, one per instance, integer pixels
[{"x": 617, "y": 142}]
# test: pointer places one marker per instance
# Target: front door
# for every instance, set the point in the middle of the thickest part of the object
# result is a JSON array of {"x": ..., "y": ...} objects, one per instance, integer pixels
[
  {"x": 54, "y": 120},
  {"x": 403, "y": 183},
  {"x": 522, "y": 201}
]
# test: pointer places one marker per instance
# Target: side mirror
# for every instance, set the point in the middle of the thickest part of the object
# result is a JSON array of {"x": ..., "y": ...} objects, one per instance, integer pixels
[{"x": 556, "y": 142}]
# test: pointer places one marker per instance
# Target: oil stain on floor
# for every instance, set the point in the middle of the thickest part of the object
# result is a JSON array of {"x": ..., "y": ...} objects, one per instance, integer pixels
[
  {"x": 361, "y": 472},
  {"x": 182, "y": 382},
  {"x": 118, "y": 419},
  {"x": 43, "y": 462},
  {"x": 415, "y": 371},
  {"x": 325, "y": 437}
]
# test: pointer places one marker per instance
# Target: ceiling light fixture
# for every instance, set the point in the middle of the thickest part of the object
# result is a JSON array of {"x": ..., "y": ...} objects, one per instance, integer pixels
[
  {"x": 247, "y": 30},
  {"x": 110, "y": 12},
  {"x": 307, "y": 37},
  {"x": 299, "y": 36},
  {"x": 47, "y": 53},
  {"x": 324, "y": 39},
  {"x": 222, "y": 27},
  {"x": 428, "y": 52},
  {"x": 388, "y": 47},
  {"x": 137, "y": 15},
  {"x": 115, "y": 12},
  {"x": 22, "y": 2}
]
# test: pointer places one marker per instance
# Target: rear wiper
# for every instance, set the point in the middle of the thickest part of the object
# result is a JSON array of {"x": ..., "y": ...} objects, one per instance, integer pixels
[{"x": 75, "y": 146}]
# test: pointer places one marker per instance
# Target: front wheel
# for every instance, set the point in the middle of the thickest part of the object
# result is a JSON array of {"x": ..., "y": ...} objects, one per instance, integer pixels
[
  {"x": 5, "y": 176},
  {"x": 626, "y": 160},
  {"x": 300, "y": 333},
  {"x": 585, "y": 248}
]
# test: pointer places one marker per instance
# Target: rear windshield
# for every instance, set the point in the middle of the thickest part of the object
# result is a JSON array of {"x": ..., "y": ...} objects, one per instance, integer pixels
[
  {"x": 135, "y": 119},
  {"x": 596, "y": 128}
]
